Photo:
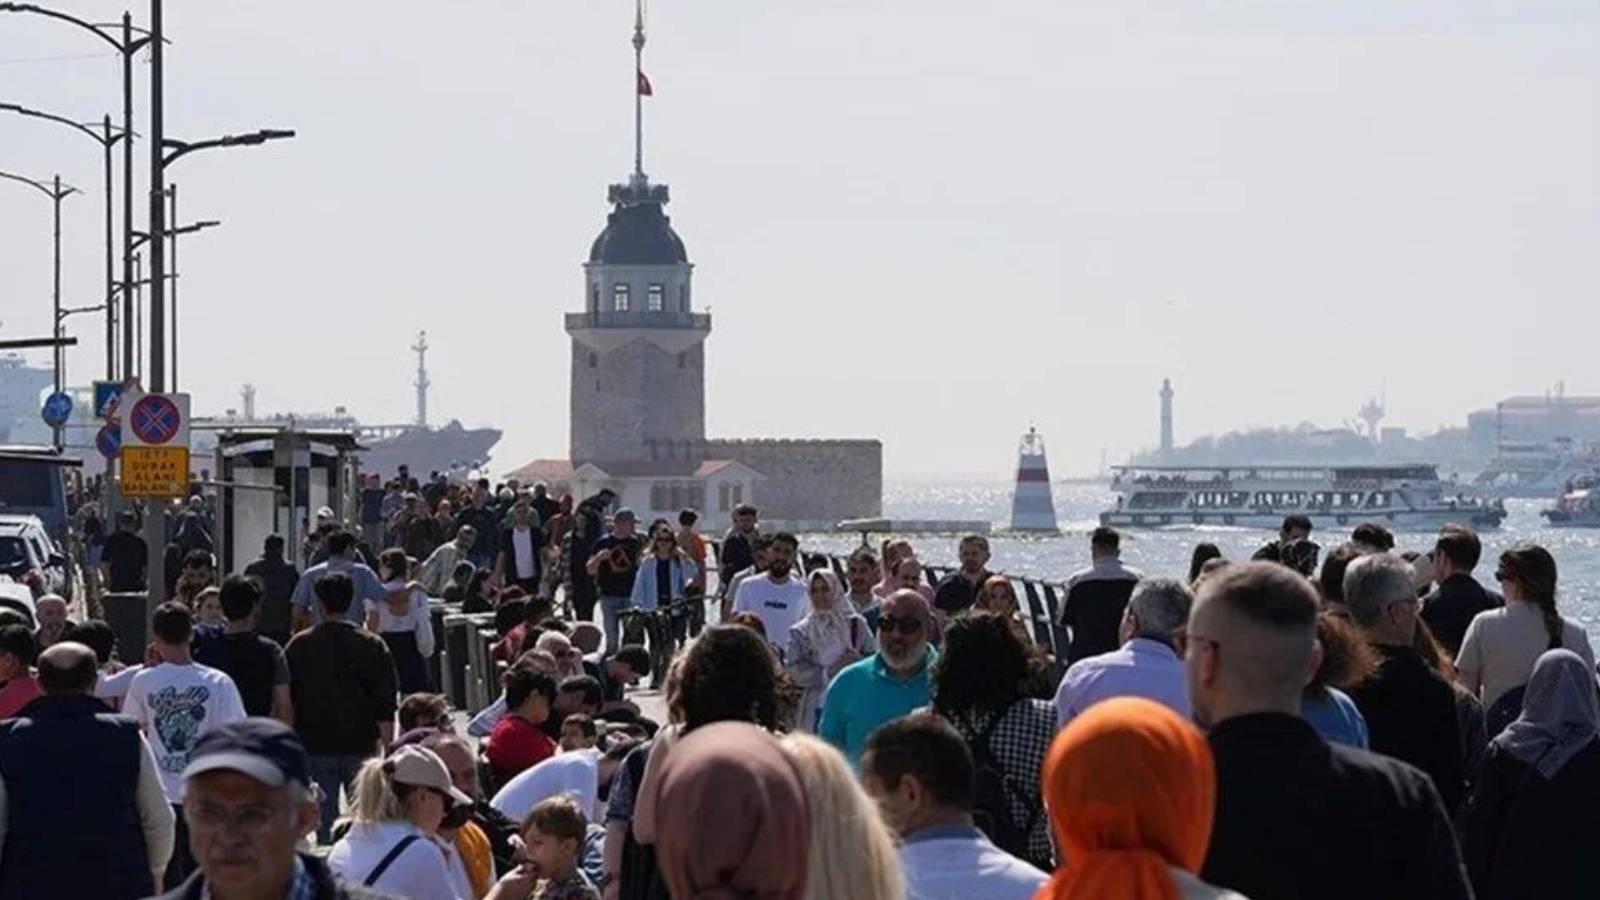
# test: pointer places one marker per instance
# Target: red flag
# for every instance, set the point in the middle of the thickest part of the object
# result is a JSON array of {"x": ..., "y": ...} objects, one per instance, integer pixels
[{"x": 644, "y": 86}]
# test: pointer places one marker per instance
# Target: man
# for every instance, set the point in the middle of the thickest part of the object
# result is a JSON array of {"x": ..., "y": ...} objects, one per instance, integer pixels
[
  {"x": 79, "y": 784},
  {"x": 921, "y": 772},
  {"x": 518, "y": 562},
  {"x": 694, "y": 545},
  {"x": 615, "y": 672},
  {"x": 1372, "y": 538},
  {"x": 1410, "y": 710},
  {"x": 544, "y": 504},
  {"x": 861, "y": 574},
  {"x": 341, "y": 547},
  {"x": 737, "y": 552},
  {"x": 371, "y": 510},
  {"x": 423, "y": 711},
  {"x": 760, "y": 556},
  {"x": 342, "y": 685},
  {"x": 613, "y": 564},
  {"x": 1449, "y": 609},
  {"x": 177, "y": 702},
  {"x": 575, "y": 695},
  {"x": 1096, "y": 597},
  {"x": 503, "y": 834},
  {"x": 885, "y": 685},
  {"x": 775, "y": 596},
  {"x": 1148, "y": 665},
  {"x": 584, "y": 775},
  {"x": 1282, "y": 791},
  {"x": 125, "y": 558},
  {"x": 394, "y": 500},
  {"x": 248, "y": 801},
  {"x": 588, "y": 526},
  {"x": 191, "y": 531},
  {"x": 960, "y": 589},
  {"x": 255, "y": 663},
  {"x": 278, "y": 578},
  {"x": 413, "y": 528},
  {"x": 518, "y": 742},
  {"x": 437, "y": 567},
  {"x": 18, "y": 650},
  {"x": 480, "y": 514}
]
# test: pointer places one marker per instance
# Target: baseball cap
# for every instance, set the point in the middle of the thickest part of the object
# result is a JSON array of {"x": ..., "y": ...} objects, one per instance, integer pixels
[
  {"x": 325, "y": 513},
  {"x": 264, "y": 749},
  {"x": 421, "y": 767},
  {"x": 625, "y": 514}
]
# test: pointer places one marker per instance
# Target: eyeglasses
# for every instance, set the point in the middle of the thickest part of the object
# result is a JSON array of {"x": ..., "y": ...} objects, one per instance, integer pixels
[
  {"x": 902, "y": 624},
  {"x": 249, "y": 820}
]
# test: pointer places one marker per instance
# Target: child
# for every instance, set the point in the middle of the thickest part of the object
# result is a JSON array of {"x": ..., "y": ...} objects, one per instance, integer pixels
[
  {"x": 554, "y": 832},
  {"x": 578, "y": 732}
]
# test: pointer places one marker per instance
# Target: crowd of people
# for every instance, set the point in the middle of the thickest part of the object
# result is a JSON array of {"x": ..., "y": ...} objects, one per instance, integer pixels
[{"x": 1364, "y": 723}]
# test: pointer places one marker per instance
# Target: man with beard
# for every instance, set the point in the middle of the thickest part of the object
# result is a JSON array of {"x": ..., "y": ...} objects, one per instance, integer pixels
[
  {"x": 960, "y": 589},
  {"x": 886, "y": 685},
  {"x": 775, "y": 597}
]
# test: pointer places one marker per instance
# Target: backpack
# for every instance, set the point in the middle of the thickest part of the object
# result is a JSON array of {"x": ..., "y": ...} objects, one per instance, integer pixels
[{"x": 993, "y": 790}]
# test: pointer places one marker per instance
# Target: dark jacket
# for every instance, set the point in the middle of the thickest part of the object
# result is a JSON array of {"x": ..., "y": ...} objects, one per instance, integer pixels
[
  {"x": 1449, "y": 609},
  {"x": 508, "y": 549},
  {"x": 1411, "y": 716},
  {"x": 71, "y": 772},
  {"x": 343, "y": 683},
  {"x": 1301, "y": 819},
  {"x": 328, "y": 887},
  {"x": 734, "y": 555},
  {"x": 1529, "y": 836},
  {"x": 955, "y": 593},
  {"x": 1095, "y": 601},
  {"x": 278, "y": 578}
]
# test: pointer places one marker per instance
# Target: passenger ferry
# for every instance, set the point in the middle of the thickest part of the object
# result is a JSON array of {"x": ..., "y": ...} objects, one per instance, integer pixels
[
  {"x": 1405, "y": 497},
  {"x": 1579, "y": 505}
]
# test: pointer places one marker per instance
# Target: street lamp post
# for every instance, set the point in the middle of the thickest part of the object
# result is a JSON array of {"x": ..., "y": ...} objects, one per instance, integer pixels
[
  {"x": 173, "y": 233},
  {"x": 57, "y": 192}
]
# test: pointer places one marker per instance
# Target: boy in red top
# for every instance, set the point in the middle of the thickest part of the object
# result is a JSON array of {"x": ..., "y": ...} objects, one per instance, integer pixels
[
  {"x": 517, "y": 742},
  {"x": 18, "y": 650}
]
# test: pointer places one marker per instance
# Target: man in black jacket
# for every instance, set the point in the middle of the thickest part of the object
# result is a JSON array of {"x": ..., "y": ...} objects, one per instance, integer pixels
[
  {"x": 1097, "y": 597},
  {"x": 278, "y": 577},
  {"x": 1449, "y": 609},
  {"x": 1298, "y": 818},
  {"x": 1409, "y": 708},
  {"x": 255, "y": 662}
]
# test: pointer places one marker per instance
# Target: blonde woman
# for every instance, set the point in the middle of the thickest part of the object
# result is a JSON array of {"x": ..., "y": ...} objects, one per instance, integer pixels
[{"x": 852, "y": 852}]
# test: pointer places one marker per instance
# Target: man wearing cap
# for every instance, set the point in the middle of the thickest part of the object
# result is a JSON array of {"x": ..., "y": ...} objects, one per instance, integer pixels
[
  {"x": 111, "y": 810},
  {"x": 613, "y": 565},
  {"x": 440, "y": 563},
  {"x": 341, "y": 547},
  {"x": 247, "y": 798}
]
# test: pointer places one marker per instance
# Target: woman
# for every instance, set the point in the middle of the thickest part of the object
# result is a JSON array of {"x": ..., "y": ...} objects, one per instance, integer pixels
[
  {"x": 1501, "y": 645},
  {"x": 1528, "y": 831},
  {"x": 1132, "y": 790},
  {"x": 480, "y": 594},
  {"x": 831, "y": 636},
  {"x": 393, "y": 844},
  {"x": 852, "y": 851},
  {"x": 998, "y": 596},
  {"x": 455, "y": 591},
  {"x": 736, "y": 776},
  {"x": 403, "y": 621},
  {"x": 979, "y": 685},
  {"x": 891, "y": 552},
  {"x": 569, "y": 662},
  {"x": 1347, "y": 660},
  {"x": 663, "y": 573},
  {"x": 1203, "y": 553}
]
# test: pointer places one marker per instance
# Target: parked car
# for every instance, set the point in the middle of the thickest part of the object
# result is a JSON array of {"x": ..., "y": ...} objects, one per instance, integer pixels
[
  {"x": 26, "y": 547},
  {"x": 17, "y": 596}
]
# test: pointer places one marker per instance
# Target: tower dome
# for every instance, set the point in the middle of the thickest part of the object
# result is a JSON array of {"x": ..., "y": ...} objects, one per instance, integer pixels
[{"x": 638, "y": 232}]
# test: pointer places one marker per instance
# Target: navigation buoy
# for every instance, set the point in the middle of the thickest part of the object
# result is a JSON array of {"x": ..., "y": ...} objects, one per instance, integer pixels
[{"x": 1032, "y": 508}]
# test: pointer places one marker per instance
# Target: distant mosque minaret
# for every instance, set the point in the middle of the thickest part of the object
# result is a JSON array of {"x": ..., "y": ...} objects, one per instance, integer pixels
[{"x": 1166, "y": 417}]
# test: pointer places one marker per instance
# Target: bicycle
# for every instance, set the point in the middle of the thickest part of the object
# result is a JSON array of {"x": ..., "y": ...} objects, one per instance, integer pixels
[{"x": 665, "y": 625}]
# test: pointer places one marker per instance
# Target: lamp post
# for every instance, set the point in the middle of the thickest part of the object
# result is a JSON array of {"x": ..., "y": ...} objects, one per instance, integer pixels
[
  {"x": 57, "y": 192},
  {"x": 127, "y": 40},
  {"x": 173, "y": 233},
  {"x": 107, "y": 140}
]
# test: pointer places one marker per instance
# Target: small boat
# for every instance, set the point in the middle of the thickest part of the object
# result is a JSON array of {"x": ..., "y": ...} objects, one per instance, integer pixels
[
  {"x": 1579, "y": 504},
  {"x": 1401, "y": 497}
]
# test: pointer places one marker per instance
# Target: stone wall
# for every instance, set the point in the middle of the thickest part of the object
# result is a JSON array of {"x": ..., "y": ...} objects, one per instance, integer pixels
[
  {"x": 810, "y": 481},
  {"x": 623, "y": 396}
]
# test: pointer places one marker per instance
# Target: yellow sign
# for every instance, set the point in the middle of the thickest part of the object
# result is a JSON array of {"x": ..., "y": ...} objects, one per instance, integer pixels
[{"x": 155, "y": 471}]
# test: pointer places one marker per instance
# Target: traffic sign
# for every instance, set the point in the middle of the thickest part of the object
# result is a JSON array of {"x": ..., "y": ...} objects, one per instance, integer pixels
[
  {"x": 108, "y": 440},
  {"x": 106, "y": 394},
  {"x": 155, "y": 471},
  {"x": 57, "y": 409},
  {"x": 154, "y": 420}
]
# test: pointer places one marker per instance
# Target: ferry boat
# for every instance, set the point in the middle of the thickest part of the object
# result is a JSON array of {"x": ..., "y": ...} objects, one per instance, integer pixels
[
  {"x": 1402, "y": 497},
  {"x": 1579, "y": 504}
]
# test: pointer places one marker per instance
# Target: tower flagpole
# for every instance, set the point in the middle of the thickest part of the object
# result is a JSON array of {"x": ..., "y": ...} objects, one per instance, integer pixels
[{"x": 638, "y": 89}]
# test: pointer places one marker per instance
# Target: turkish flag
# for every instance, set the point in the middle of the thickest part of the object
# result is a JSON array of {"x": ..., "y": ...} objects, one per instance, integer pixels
[{"x": 644, "y": 86}]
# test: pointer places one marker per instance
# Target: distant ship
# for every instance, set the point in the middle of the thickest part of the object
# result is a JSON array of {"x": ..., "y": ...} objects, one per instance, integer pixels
[{"x": 1579, "y": 504}]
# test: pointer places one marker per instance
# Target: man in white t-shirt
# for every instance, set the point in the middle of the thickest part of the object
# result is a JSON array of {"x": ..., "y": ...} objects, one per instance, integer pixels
[
  {"x": 584, "y": 775},
  {"x": 776, "y": 597},
  {"x": 175, "y": 703}
]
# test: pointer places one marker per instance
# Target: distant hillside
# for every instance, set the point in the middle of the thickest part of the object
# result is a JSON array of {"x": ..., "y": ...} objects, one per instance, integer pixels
[{"x": 1307, "y": 443}]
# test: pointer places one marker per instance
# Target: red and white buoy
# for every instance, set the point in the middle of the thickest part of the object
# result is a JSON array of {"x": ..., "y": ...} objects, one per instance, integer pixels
[{"x": 1032, "y": 508}]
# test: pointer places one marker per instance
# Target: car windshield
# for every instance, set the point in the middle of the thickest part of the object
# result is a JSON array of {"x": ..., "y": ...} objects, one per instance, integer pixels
[{"x": 13, "y": 555}]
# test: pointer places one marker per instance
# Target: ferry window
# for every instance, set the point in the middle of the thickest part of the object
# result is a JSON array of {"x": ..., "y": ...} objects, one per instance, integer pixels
[
  {"x": 655, "y": 298},
  {"x": 619, "y": 297}
]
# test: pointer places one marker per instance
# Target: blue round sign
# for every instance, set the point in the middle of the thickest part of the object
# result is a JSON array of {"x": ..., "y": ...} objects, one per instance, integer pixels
[
  {"x": 57, "y": 409},
  {"x": 108, "y": 440}
]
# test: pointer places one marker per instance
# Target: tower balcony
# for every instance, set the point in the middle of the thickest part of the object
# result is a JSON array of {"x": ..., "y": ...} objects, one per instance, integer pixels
[{"x": 690, "y": 321}]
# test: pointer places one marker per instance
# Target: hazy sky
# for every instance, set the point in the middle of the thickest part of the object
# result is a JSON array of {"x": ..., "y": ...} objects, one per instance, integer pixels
[{"x": 927, "y": 222}]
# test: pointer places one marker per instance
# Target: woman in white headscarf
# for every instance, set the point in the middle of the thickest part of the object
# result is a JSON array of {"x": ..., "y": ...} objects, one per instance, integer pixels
[
  {"x": 1528, "y": 829},
  {"x": 831, "y": 636}
]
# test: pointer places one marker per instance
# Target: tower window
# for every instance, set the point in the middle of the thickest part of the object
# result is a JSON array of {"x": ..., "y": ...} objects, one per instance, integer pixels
[
  {"x": 594, "y": 360},
  {"x": 619, "y": 297},
  {"x": 683, "y": 360},
  {"x": 683, "y": 298},
  {"x": 655, "y": 298},
  {"x": 594, "y": 297}
]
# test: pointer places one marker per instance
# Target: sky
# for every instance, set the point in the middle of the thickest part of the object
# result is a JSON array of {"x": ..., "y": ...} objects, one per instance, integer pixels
[{"x": 931, "y": 223}]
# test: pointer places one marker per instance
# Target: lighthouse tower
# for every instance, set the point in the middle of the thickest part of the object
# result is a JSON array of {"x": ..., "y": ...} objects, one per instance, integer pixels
[
  {"x": 1166, "y": 418},
  {"x": 1032, "y": 508},
  {"x": 638, "y": 348}
]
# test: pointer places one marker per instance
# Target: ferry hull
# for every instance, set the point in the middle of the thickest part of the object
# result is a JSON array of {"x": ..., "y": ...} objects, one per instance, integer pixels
[{"x": 1413, "y": 520}]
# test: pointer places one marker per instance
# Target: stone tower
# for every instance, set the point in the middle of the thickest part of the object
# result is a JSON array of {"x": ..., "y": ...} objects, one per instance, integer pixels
[
  {"x": 638, "y": 347},
  {"x": 1166, "y": 417}
]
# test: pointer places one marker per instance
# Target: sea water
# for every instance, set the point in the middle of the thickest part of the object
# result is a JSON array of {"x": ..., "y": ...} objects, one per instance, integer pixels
[{"x": 1166, "y": 551}]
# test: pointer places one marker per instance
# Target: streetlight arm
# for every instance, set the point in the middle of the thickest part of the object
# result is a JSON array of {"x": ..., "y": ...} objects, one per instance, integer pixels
[
  {"x": 52, "y": 117},
  {"x": 184, "y": 148},
  {"x": 41, "y": 186},
  {"x": 73, "y": 20}
]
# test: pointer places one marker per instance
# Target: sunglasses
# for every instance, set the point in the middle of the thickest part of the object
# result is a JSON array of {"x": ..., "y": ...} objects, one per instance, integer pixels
[{"x": 902, "y": 624}]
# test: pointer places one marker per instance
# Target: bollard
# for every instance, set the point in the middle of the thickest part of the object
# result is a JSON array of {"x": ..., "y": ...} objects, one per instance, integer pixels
[{"x": 454, "y": 666}]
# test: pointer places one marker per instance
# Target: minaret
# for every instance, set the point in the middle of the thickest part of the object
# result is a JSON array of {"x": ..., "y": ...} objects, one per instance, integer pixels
[
  {"x": 1166, "y": 418},
  {"x": 1032, "y": 507},
  {"x": 422, "y": 383},
  {"x": 638, "y": 347}
]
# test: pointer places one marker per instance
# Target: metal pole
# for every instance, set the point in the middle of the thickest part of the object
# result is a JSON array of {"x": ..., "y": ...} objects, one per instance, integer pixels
[
  {"x": 155, "y": 526},
  {"x": 130, "y": 359},
  {"x": 172, "y": 194},
  {"x": 111, "y": 310},
  {"x": 55, "y": 291}
]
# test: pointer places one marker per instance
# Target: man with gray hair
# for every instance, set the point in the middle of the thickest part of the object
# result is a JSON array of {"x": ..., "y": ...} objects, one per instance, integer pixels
[
  {"x": 1149, "y": 663},
  {"x": 1410, "y": 709}
]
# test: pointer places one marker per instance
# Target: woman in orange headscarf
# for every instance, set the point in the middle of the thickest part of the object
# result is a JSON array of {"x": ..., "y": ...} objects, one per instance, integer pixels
[{"x": 1132, "y": 790}]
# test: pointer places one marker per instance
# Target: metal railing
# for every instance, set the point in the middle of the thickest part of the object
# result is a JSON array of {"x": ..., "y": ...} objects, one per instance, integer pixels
[{"x": 639, "y": 319}]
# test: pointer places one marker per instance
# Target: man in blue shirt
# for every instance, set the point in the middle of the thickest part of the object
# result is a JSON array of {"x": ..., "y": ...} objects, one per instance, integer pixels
[
  {"x": 1146, "y": 665},
  {"x": 341, "y": 558},
  {"x": 886, "y": 685}
]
